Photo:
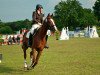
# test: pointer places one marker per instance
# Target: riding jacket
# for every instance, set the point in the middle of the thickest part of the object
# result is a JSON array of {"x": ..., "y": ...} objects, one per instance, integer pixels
[{"x": 37, "y": 18}]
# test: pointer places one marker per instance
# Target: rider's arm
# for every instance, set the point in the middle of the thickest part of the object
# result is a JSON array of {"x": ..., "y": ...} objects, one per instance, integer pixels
[{"x": 34, "y": 17}]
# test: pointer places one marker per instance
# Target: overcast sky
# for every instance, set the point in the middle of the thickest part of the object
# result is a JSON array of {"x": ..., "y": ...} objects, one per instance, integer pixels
[{"x": 13, "y": 10}]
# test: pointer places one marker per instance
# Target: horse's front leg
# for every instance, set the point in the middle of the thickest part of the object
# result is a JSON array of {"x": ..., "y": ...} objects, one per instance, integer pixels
[
  {"x": 31, "y": 58},
  {"x": 33, "y": 54},
  {"x": 37, "y": 58},
  {"x": 25, "y": 62}
]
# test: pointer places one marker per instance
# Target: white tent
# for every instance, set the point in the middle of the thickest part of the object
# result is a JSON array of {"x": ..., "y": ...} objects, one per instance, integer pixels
[
  {"x": 93, "y": 32},
  {"x": 64, "y": 34}
]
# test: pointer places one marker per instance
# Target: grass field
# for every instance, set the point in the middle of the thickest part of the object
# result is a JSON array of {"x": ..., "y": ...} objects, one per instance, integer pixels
[{"x": 77, "y": 56}]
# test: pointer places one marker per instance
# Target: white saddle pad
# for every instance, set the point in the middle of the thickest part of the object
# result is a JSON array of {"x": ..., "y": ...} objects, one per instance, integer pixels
[{"x": 28, "y": 34}]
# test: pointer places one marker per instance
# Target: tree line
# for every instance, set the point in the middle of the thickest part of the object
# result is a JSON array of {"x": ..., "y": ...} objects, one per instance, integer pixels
[
  {"x": 69, "y": 13},
  {"x": 12, "y": 27}
]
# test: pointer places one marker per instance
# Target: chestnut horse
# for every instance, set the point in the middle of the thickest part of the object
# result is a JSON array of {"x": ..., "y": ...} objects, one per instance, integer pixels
[{"x": 38, "y": 41}]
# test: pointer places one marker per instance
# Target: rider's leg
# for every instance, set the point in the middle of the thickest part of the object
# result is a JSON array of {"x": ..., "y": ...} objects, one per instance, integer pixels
[
  {"x": 32, "y": 32},
  {"x": 46, "y": 38},
  {"x": 30, "y": 36},
  {"x": 30, "y": 40},
  {"x": 46, "y": 46}
]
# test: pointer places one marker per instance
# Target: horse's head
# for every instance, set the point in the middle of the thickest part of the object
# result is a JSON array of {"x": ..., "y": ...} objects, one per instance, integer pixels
[{"x": 50, "y": 22}]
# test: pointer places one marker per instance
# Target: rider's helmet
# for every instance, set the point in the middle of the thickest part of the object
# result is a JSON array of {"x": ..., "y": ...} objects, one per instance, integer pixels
[{"x": 38, "y": 6}]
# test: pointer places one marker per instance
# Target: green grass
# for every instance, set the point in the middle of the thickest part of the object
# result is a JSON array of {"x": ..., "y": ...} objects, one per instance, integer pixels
[{"x": 77, "y": 56}]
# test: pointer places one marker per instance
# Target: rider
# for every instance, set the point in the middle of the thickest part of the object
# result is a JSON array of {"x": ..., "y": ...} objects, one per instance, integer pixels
[{"x": 37, "y": 20}]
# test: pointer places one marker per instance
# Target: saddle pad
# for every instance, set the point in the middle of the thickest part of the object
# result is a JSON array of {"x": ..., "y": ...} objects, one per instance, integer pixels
[{"x": 27, "y": 35}]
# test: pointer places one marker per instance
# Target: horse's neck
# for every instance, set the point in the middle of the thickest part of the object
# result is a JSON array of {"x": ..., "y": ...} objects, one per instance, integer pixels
[{"x": 43, "y": 31}]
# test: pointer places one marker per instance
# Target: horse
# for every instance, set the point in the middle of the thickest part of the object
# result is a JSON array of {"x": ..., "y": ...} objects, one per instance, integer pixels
[{"x": 38, "y": 41}]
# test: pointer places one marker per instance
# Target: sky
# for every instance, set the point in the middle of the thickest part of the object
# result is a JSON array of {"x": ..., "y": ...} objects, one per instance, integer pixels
[{"x": 14, "y": 10}]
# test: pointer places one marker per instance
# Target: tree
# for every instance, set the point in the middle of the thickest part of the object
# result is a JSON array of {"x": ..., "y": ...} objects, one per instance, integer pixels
[
  {"x": 88, "y": 18},
  {"x": 70, "y": 13},
  {"x": 67, "y": 13},
  {"x": 5, "y": 30},
  {"x": 96, "y": 10},
  {"x": 27, "y": 24},
  {"x": 0, "y": 21}
]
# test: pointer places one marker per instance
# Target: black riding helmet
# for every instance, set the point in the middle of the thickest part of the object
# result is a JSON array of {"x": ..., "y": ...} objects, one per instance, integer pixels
[{"x": 38, "y": 6}]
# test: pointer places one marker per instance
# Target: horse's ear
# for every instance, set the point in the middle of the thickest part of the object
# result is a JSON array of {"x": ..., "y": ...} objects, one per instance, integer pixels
[
  {"x": 48, "y": 14},
  {"x": 52, "y": 15}
]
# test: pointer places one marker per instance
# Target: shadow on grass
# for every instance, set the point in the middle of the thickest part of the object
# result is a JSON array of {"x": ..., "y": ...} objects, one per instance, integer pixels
[
  {"x": 10, "y": 70},
  {"x": 4, "y": 69}
]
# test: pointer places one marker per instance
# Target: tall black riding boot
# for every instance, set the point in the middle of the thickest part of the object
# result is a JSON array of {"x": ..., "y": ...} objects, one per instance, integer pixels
[
  {"x": 30, "y": 40},
  {"x": 46, "y": 46}
]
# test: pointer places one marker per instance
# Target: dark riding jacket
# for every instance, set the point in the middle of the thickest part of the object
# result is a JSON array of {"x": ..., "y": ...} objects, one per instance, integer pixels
[{"x": 37, "y": 18}]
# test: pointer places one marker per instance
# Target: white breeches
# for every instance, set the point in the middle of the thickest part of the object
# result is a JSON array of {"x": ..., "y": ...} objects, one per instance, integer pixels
[{"x": 34, "y": 26}]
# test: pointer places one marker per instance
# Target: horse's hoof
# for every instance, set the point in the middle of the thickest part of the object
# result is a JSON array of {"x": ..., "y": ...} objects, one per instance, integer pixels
[
  {"x": 29, "y": 68},
  {"x": 25, "y": 67},
  {"x": 46, "y": 47}
]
